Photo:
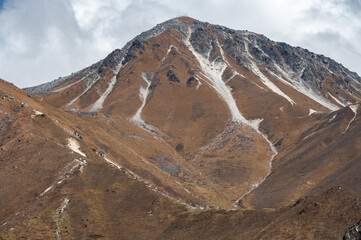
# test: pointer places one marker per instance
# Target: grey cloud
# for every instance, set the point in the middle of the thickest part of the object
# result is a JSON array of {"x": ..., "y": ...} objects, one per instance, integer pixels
[{"x": 41, "y": 40}]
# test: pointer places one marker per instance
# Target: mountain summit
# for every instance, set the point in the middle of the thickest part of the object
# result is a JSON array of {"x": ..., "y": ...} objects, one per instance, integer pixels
[{"x": 202, "y": 117}]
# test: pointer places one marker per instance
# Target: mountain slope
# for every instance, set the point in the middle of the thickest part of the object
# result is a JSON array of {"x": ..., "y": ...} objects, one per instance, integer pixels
[{"x": 238, "y": 112}]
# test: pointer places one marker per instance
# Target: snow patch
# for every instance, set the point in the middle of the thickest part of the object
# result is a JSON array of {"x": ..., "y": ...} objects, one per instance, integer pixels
[
  {"x": 254, "y": 123},
  {"x": 331, "y": 119},
  {"x": 74, "y": 146},
  {"x": 354, "y": 108},
  {"x": 37, "y": 113},
  {"x": 312, "y": 111}
]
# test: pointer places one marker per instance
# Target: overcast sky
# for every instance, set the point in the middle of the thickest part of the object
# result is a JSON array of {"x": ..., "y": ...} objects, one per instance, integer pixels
[{"x": 41, "y": 40}]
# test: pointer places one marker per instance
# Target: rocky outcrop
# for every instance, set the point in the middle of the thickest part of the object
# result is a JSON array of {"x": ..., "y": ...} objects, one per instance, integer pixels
[
  {"x": 172, "y": 76},
  {"x": 136, "y": 47},
  {"x": 353, "y": 233},
  {"x": 191, "y": 81}
]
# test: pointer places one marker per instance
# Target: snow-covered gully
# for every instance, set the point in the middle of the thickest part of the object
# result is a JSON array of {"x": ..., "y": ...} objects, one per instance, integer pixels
[
  {"x": 354, "y": 110},
  {"x": 89, "y": 85},
  {"x": 99, "y": 103},
  {"x": 213, "y": 71},
  {"x": 143, "y": 95}
]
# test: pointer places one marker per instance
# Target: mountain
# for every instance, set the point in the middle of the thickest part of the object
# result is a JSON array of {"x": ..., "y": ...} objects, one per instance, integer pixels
[{"x": 168, "y": 136}]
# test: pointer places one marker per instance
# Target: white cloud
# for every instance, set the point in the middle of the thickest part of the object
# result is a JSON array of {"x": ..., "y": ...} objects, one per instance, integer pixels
[{"x": 41, "y": 40}]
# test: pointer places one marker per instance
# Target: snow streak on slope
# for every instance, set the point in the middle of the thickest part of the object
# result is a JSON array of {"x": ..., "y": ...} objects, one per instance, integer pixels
[
  {"x": 89, "y": 85},
  {"x": 59, "y": 217},
  {"x": 354, "y": 110},
  {"x": 74, "y": 146},
  {"x": 213, "y": 71},
  {"x": 170, "y": 49},
  {"x": 312, "y": 111},
  {"x": 66, "y": 87},
  {"x": 300, "y": 87},
  {"x": 336, "y": 100},
  {"x": 143, "y": 95},
  {"x": 99, "y": 103},
  {"x": 264, "y": 79},
  {"x": 297, "y": 83}
]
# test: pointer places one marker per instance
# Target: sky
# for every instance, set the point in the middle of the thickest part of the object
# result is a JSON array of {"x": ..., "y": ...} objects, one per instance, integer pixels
[{"x": 41, "y": 40}]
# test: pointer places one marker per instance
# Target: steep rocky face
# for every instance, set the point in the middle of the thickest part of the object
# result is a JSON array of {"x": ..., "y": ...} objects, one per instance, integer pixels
[
  {"x": 242, "y": 116},
  {"x": 353, "y": 233}
]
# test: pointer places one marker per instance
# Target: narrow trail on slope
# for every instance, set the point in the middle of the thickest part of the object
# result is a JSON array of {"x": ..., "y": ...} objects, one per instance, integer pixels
[{"x": 213, "y": 71}]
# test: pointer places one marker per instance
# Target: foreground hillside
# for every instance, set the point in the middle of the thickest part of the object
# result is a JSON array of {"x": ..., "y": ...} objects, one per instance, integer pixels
[{"x": 56, "y": 184}]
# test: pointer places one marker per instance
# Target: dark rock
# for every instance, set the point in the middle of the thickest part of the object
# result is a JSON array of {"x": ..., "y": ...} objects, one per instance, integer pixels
[
  {"x": 43, "y": 115},
  {"x": 172, "y": 76},
  {"x": 80, "y": 114},
  {"x": 191, "y": 80},
  {"x": 173, "y": 52},
  {"x": 137, "y": 46},
  {"x": 156, "y": 46},
  {"x": 179, "y": 147},
  {"x": 279, "y": 142},
  {"x": 76, "y": 134},
  {"x": 353, "y": 233},
  {"x": 99, "y": 152}
]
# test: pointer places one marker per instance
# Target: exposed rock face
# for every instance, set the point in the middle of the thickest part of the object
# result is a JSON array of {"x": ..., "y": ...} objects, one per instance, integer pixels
[
  {"x": 354, "y": 233},
  {"x": 191, "y": 81},
  {"x": 172, "y": 76}
]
